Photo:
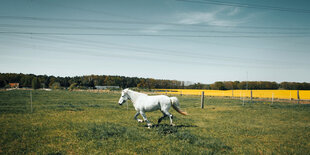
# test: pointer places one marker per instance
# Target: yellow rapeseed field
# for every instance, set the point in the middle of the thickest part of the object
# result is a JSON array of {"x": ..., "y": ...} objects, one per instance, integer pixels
[{"x": 279, "y": 94}]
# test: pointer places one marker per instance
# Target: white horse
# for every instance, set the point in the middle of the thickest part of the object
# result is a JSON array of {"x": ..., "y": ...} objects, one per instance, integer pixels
[{"x": 144, "y": 103}]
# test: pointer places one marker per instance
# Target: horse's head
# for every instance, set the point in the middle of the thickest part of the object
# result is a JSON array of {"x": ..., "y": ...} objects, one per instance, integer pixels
[{"x": 124, "y": 97}]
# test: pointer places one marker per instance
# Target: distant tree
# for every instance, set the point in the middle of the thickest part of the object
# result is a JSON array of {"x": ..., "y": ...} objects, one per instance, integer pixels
[
  {"x": 235, "y": 84},
  {"x": 141, "y": 84},
  {"x": 272, "y": 85},
  {"x": 13, "y": 77},
  {"x": 197, "y": 86},
  {"x": 75, "y": 79},
  {"x": 285, "y": 85},
  {"x": 56, "y": 85},
  {"x": 229, "y": 85},
  {"x": 218, "y": 86},
  {"x": 52, "y": 80},
  {"x": 73, "y": 86},
  {"x": 306, "y": 86},
  {"x": 130, "y": 82},
  {"x": 35, "y": 83},
  {"x": 242, "y": 85},
  {"x": 91, "y": 84},
  {"x": 2, "y": 82},
  {"x": 46, "y": 82},
  {"x": 84, "y": 82},
  {"x": 108, "y": 81},
  {"x": 182, "y": 85},
  {"x": 98, "y": 82},
  {"x": 42, "y": 79},
  {"x": 26, "y": 81},
  {"x": 151, "y": 83},
  {"x": 65, "y": 82}
]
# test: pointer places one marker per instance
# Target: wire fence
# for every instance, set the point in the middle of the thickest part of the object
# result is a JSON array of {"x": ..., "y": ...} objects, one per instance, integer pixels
[
  {"x": 29, "y": 101},
  {"x": 299, "y": 96},
  {"x": 25, "y": 101}
]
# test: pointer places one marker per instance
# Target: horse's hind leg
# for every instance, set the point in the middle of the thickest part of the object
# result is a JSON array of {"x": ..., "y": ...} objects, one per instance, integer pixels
[
  {"x": 170, "y": 117},
  {"x": 161, "y": 118},
  {"x": 136, "y": 115}
]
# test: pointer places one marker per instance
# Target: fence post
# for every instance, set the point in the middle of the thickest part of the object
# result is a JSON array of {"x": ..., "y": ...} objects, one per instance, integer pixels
[
  {"x": 202, "y": 99},
  {"x": 290, "y": 96},
  {"x": 232, "y": 93},
  {"x": 251, "y": 95},
  {"x": 181, "y": 93},
  {"x": 243, "y": 100},
  {"x": 31, "y": 101},
  {"x": 272, "y": 98},
  {"x": 298, "y": 97}
]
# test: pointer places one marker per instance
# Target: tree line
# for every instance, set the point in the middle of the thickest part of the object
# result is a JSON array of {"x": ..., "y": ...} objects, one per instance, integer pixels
[
  {"x": 85, "y": 82},
  {"x": 90, "y": 81},
  {"x": 254, "y": 85}
]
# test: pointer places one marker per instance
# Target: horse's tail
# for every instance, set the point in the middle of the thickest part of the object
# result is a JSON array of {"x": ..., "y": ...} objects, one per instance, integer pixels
[{"x": 175, "y": 104}]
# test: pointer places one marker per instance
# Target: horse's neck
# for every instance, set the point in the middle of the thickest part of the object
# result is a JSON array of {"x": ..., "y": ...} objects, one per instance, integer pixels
[{"x": 134, "y": 95}]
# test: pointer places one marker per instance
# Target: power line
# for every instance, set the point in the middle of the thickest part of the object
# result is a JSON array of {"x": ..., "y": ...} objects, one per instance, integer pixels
[
  {"x": 138, "y": 48},
  {"x": 91, "y": 43},
  {"x": 91, "y": 11},
  {"x": 221, "y": 44},
  {"x": 187, "y": 40},
  {"x": 151, "y": 50},
  {"x": 137, "y": 29},
  {"x": 247, "y": 5},
  {"x": 152, "y": 35},
  {"x": 88, "y": 45},
  {"x": 146, "y": 23}
]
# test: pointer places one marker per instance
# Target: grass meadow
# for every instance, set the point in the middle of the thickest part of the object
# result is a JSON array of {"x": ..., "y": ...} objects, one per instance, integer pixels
[{"x": 64, "y": 122}]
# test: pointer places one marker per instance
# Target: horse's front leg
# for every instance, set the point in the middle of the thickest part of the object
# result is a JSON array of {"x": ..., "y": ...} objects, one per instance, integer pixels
[
  {"x": 136, "y": 117},
  {"x": 149, "y": 124}
]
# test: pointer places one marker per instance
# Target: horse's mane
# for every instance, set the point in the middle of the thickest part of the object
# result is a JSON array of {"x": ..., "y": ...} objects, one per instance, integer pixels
[{"x": 137, "y": 92}]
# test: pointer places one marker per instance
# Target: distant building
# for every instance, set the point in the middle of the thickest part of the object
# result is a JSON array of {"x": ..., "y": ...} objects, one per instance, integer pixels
[
  {"x": 106, "y": 87},
  {"x": 14, "y": 85}
]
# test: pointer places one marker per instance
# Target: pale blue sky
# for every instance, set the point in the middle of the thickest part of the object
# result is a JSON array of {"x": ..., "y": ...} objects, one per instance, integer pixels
[{"x": 191, "y": 40}]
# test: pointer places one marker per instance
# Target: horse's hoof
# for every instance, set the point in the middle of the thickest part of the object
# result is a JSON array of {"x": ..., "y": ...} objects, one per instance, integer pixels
[
  {"x": 140, "y": 121},
  {"x": 172, "y": 124}
]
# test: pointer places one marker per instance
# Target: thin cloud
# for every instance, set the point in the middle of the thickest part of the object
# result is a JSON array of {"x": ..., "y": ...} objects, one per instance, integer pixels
[
  {"x": 218, "y": 17},
  {"x": 197, "y": 18},
  {"x": 155, "y": 28},
  {"x": 222, "y": 16},
  {"x": 234, "y": 11}
]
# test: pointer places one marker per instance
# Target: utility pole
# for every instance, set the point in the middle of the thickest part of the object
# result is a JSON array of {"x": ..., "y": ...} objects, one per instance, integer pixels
[
  {"x": 247, "y": 79},
  {"x": 31, "y": 101}
]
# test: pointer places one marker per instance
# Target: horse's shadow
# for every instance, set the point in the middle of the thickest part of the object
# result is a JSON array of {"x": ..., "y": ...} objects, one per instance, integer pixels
[{"x": 176, "y": 126}]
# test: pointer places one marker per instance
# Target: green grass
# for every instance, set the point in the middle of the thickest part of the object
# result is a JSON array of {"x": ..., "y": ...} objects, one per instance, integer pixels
[{"x": 64, "y": 122}]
